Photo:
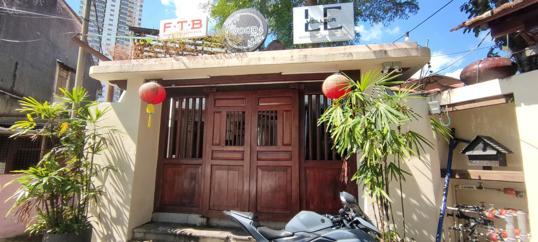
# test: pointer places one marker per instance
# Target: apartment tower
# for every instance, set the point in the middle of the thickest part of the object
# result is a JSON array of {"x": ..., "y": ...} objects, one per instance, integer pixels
[{"x": 109, "y": 23}]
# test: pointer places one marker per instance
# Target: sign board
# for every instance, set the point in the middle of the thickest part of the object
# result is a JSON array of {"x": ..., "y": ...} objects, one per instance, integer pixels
[
  {"x": 245, "y": 30},
  {"x": 323, "y": 23},
  {"x": 194, "y": 27}
]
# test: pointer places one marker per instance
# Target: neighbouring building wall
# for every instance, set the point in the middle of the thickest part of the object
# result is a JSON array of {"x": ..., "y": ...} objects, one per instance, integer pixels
[
  {"x": 514, "y": 125},
  {"x": 28, "y": 63},
  {"x": 129, "y": 191}
]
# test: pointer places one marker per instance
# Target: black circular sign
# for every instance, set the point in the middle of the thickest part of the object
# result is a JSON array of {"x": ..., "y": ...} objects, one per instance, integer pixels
[{"x": 245, "y": 30}]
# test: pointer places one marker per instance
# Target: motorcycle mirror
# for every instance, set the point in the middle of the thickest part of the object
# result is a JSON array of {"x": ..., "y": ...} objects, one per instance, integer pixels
[{"x": 347, "y": 198}]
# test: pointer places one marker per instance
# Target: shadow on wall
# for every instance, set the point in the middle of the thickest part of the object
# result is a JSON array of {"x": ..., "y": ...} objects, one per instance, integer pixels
[
  {"x": 419, "y": 209},
  {"x": 9, "y": 226},
  {"x": 116, "y": 210}
]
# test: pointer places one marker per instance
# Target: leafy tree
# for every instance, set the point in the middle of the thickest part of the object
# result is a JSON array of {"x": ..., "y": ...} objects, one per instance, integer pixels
[
  {"x": 474, "y": 8},
  {"x": 513, "y": 41},
  {"x": 280, "y": 17}
]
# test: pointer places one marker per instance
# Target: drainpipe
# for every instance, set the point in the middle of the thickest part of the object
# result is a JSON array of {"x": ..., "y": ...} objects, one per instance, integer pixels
[{"x": 522, "y": 225}]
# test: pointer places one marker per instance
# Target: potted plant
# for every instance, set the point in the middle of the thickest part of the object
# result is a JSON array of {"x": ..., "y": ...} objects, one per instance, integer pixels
[
  {"x": 60, "y": 189},
  {"x": 370, "y": 120}
]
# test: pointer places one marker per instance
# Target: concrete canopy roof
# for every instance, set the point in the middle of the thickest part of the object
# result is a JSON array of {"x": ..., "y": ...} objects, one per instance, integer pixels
[{"x": 295, "y": 61}]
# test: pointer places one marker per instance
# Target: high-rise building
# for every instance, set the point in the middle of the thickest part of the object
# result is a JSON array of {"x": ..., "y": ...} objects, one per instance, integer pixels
[{"x": 110, "y": 21}]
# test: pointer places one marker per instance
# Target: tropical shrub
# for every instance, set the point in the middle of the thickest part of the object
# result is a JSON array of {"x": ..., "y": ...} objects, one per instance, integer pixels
[
  {"x": 371, "y": 121},
  {"x": 60, "y": 188}
]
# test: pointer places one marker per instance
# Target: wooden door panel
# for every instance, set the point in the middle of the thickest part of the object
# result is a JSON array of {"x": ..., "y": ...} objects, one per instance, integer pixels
[
  {"x": 275, "y": 155},
  {"x": 286, "y": 127},
  {"x": 321, "y": 167},
  {"x": 228, "y": 155},
  {"x": 274, "y": 186},
  {"x": 181, "y": 186},
  {"x": 239, "y": 101},
  {"x": 273, "y": 101},
  {"x": 226, "y": 164},
  {"x": 217, "y": 127},
  {"x": 180, "y": 168},
  {"x": 322, "y": 186},
  {"x": 226, "y": 187}
]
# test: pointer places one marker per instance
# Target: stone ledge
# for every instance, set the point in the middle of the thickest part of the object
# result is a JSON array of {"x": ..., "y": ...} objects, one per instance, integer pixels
[{"x": 178, "y": 232}]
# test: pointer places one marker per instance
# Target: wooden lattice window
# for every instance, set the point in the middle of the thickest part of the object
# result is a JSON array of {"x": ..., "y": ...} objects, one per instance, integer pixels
[
  {"x": 267, "y": 128},
  {"x": 235, "y": 128},
  {"x": 185, "y": 128},
  {"x": 318, "y": 144},
  {"x": 64, "y": 75}
]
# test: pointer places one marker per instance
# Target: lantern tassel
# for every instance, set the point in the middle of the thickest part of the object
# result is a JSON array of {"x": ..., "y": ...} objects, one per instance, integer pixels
[{"x": 150, "y": 109}]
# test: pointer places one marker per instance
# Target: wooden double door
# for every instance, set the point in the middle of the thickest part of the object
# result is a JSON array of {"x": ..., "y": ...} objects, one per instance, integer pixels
[
  {"x": 252, "y": 153},
  {"x": 248, "y": 159}
]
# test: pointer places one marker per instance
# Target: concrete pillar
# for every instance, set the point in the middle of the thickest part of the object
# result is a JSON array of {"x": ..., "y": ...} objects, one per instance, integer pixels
[
  {"x": 132, "y": 151},
  {"x": 527, "y": 113},
  {"x": 421, "y": 190}
]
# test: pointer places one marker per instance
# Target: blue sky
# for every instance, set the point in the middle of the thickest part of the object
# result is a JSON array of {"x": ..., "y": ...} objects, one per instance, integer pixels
[{"x": 435, "y": 33}]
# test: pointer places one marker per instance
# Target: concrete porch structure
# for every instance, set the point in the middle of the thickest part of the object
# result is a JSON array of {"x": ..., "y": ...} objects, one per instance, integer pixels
[
  {"x": 512, "y": 123},
  {"x": 129, "y": 198}
]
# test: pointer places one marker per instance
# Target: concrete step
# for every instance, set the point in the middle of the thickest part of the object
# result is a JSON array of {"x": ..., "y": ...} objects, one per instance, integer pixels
[{"x": 173, "y": 232}]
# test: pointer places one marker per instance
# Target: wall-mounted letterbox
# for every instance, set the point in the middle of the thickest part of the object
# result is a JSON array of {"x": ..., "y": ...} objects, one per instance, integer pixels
[{"x": 485, "y": 151}]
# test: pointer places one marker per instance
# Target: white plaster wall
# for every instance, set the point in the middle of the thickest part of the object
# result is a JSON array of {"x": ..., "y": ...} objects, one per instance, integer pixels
[
  {"x": 498, "y": 122},
  {"x": 132, "y": 150},
  {"x": 421, "y": 190}
]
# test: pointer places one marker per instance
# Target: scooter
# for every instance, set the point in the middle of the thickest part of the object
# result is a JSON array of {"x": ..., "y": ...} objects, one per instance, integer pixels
[{"x": 351, "y": 224}]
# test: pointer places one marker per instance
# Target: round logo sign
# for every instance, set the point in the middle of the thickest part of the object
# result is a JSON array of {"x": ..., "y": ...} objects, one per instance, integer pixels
[{"x": 245, "y": 30}]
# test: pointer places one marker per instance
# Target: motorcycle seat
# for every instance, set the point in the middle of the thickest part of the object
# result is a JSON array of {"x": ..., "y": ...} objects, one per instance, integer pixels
[{"x": 272, "y": 234}]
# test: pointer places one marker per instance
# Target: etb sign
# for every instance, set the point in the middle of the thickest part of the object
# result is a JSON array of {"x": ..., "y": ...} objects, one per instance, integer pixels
[
  {"x": 323, "y": 23},
  {"x": 195, "y": 27}
]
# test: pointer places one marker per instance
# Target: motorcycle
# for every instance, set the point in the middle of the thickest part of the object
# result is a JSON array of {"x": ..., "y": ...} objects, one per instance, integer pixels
[{"x": 351, "y": 224}]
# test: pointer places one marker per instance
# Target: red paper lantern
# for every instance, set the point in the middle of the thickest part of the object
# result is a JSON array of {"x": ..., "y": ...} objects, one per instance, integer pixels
[
  {"x": 151, "y": 93},
  {"x": 335, "y": 86}
]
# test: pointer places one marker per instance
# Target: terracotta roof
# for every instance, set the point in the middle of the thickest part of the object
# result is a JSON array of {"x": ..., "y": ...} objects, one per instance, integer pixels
[
  {"x": 490, "y": 141},
  {"x": 496, "y": 13},
  {"x": 433, "y": 84}
]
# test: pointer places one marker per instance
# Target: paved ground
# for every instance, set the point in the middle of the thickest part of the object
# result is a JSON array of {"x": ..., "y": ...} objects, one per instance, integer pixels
[
  {"x": 8, "y": 225},
  {"x": 22, "y": 239}
]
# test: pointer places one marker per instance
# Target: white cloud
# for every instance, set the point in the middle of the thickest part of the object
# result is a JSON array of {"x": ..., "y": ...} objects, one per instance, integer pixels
[
  {"x": 449, "y": 65},
  {"x": 455, "y": 74},
  {"x": 376, "y": 32},
  {"x": 188, "y": 8},
  {"x": 394, "y": 31}
]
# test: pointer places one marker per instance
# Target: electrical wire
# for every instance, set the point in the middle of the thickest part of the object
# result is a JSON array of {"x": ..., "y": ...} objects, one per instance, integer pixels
[
  {"x": 19, "y": 11},
  {"x": 463, "y": 56},
  {"x": 462, "y": 51},
  {"x": 423, "y": 21},
  {"x": 32, "y": 40},
  {"x": 20, "y": 41}
]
